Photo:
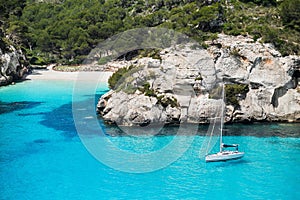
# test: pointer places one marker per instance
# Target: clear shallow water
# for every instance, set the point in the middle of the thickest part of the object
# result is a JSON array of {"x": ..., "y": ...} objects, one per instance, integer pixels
[{"x": 41, "y": 156}]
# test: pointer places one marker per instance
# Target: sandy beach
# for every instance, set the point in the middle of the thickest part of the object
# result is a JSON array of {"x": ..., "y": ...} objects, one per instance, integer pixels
[{"x": 50, "y": 74}]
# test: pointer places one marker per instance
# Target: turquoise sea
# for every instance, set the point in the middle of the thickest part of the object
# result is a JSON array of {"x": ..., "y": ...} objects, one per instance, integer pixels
[{"x": 42, "y": 156}]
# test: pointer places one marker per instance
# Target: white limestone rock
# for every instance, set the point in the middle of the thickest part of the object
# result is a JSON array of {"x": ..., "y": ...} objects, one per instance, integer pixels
[{"x": 188, "y": 75}]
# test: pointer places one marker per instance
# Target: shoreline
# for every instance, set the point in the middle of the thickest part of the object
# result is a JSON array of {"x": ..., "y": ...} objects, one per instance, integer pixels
[
  {"x": 232, "y": 130},
  {"x": 50, "y": 74},
  {"x": 102, "y": 76}
]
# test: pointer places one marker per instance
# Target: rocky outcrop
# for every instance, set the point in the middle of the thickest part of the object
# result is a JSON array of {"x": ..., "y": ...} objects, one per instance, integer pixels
[
  {"x": 13, "y": 65},
  {"x": 181, "y": 86},
  {"x": 274, "y": 89}
]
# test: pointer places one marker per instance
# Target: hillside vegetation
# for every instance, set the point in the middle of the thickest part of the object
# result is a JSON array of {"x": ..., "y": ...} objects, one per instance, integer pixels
[{"x": 65, "y": 31}]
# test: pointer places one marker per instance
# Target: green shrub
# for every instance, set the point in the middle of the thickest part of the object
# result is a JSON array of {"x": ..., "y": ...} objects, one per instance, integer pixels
[
  {"x": 104, "y": 60},
  {"x": 116, "y": 77},
  {"x": 262, "y": 2},
  {"x": 147, "y": 90},
  {"x": 35, "y": 60},
  {"x": 153, "y": 53},
  {"x": 233, "y": 90},
  {"x": 161, "y": 99},
  {"x": 165, "y": 101},
  {"x": 290, "y": 13}
]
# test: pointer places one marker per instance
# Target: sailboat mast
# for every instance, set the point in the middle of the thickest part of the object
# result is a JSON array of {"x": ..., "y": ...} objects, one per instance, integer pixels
[{"x": 222, "y": 115}]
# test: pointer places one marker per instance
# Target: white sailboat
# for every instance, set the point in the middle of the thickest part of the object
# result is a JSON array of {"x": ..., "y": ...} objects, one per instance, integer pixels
[{"x": 224, "y": 154}]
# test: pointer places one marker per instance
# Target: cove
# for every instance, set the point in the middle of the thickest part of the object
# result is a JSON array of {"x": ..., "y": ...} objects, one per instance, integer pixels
[{"x": 42, "y": 157}]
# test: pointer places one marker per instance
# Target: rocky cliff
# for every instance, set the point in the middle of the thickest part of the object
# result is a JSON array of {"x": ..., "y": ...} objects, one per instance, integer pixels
[
  {"x": 13, "y": 64},
  {"x": 261, "y": 85}
]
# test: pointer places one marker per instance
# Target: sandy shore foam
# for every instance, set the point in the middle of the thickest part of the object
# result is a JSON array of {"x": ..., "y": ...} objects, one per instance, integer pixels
[{"x": 50, "y": 74}]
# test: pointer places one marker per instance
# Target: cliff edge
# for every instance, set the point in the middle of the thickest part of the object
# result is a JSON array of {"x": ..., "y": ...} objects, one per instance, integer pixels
[
  {"x": 13, "y": 64},
  {"x": 261, "y": 85}
]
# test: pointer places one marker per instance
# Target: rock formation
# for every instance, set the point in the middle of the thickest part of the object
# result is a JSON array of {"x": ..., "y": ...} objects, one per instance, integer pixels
[
  {"x": 180, "y": 87},
  {"x": 13, "y": 65}
]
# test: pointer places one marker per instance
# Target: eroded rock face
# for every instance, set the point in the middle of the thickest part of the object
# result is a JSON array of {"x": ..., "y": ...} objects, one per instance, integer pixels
[
  {"x": 172, "y": 79},
  {"x": 188, "y": 75},
  {"x": 273, "y": 80},
  {"x": 136, "y": 109},
  {"x": 12, "y": 65}
]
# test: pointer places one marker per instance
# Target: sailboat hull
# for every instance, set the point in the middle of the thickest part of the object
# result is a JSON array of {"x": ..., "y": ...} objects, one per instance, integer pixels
[{"x": 224, "y": 156}]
